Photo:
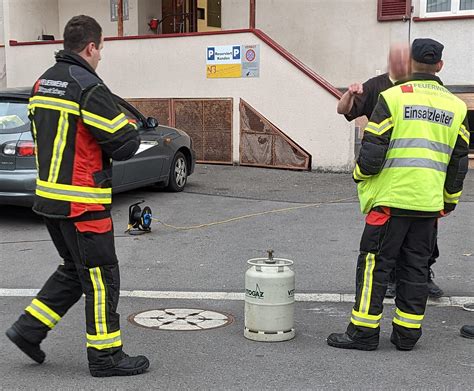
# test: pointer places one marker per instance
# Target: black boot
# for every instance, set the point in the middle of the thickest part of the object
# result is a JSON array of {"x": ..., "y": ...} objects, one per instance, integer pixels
[
  {"x": 126, "y": 366},
  {"x": 395, "y": 339},
  {"x": 467, "y": 331},
  {"x": 343, "y": 341},
  {"x": 434, "y": 290},
  {"x": 31, "y": 350}
]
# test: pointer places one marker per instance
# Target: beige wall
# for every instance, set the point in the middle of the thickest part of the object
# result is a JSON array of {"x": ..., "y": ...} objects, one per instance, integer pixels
[
  {"x": 458, "y": 55},
  {"x": 2, "y": 26},
  {"x": 343, "y": 41},
  {"x": 31, "y": 18},
  {"x": 342, "y": 49},
  {"x": 147, "y": 9},
  {"x": 235, "y": 14},
  {"x": 175, "y": 68},
  {"x": 3, "y": 66},
  {"x": 3, "y": 69},
  {"x": 99, "y": 10}
]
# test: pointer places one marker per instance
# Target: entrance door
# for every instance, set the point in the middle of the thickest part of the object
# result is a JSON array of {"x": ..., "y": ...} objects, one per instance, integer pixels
[{"x": 178, "y": 16}]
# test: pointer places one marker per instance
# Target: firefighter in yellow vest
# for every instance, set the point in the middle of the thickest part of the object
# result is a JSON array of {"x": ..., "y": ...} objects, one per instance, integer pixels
[{"x": 410, "y": 172}]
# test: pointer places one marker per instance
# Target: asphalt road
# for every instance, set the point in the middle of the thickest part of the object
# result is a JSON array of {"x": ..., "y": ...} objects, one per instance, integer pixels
[{"x": 311, "y": 218}]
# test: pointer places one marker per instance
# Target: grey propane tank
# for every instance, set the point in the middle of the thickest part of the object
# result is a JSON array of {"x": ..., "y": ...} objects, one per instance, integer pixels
[{"x": 269, "y": 299}]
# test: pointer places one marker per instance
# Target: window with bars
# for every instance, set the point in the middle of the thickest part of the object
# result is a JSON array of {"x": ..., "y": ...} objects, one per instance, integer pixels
[{"x": 442, "y": 8}]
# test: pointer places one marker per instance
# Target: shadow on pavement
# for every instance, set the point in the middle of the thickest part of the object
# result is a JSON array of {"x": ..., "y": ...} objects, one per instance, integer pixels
[{"x": 9, "y": 214}]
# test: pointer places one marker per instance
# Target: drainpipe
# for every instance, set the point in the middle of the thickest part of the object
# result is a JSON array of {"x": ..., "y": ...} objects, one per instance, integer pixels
[
  {"x": 253, "y": 7},
  {"x": 120, "y": 17}
]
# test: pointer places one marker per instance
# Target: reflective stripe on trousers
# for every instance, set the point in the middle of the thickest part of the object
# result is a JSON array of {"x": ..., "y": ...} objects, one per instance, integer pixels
[
  {"x": 362, "y": 316},
  {"x": 100, "y": 299},
  {"x": 43, "y": 313},
  {"x": 365, "y": 320},
  {"x": 367, "y": 285},
  {"x": 104, "y": 341},
  {"x": 407, "y": 320}
]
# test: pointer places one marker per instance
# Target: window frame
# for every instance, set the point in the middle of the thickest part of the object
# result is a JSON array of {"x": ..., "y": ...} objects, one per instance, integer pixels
[
  {"x": 455, "y": 11},
  {"x": 130, "y": 111}
]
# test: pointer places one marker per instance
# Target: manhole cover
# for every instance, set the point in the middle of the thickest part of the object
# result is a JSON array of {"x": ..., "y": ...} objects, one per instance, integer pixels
[
  {"x": 468, "y": 307},
  {"x": 180, "y": 319}
]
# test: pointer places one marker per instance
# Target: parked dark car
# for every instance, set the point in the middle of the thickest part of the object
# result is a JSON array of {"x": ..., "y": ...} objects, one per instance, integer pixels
[{"x": 165, "y": 157}]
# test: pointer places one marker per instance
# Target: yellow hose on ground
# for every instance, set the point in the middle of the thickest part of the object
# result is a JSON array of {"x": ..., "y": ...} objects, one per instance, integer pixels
[{"x": 315, "y": 205}]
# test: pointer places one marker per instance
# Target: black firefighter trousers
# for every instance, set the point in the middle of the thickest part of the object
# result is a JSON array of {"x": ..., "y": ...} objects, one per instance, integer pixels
[
  {"x": 90, "y": 267},
  {"x": 405, "y": 244}
]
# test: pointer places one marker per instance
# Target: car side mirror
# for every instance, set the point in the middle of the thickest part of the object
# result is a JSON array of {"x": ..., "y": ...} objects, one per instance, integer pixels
[{"x": 151, "y": 122}]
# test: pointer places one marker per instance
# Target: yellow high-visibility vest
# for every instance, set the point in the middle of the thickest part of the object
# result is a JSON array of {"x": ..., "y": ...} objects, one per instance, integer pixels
[{"x": 427, "y": 120}]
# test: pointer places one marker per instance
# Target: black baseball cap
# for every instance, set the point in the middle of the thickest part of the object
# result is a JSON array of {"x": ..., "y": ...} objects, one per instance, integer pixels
[{"x": 426, "y": 50}]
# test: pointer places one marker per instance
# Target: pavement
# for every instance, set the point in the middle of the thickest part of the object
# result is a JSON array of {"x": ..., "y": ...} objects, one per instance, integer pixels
[{"x": 197, "y": 259}]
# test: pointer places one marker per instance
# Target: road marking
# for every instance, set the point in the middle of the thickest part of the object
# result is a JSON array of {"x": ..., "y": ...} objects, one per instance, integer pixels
[{"x": 238, "y": 296}]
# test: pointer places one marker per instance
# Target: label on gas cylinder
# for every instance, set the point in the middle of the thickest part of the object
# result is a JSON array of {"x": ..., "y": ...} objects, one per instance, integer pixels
[{"x": 258, "y": 293}]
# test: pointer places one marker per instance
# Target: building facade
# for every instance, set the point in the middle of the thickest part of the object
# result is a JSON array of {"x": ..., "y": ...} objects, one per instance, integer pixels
[{"x": 309, "y": 51}]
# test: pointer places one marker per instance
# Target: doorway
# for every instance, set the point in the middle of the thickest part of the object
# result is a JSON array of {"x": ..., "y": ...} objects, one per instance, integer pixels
[{"x": 178, "y": 16}]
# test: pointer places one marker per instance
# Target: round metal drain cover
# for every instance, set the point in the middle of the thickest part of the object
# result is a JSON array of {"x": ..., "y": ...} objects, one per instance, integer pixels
[{"x": 180, "y": 319}]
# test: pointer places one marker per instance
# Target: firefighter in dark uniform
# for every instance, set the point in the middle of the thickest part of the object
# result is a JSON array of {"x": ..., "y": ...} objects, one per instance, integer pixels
[
  {"x": 78, "y": 129},
  {"x": 410, "y": 171},
  {"x": 360, "y": 100}
]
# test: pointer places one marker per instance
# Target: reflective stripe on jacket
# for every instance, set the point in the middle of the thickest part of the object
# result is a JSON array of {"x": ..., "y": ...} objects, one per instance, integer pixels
[
  {"x": 78, "y": 129},
  {"x": 414, "y": 151}
]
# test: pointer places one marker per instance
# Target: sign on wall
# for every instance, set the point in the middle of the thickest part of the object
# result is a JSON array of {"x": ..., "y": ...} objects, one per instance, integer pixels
[
  {"x": 114, "y": 10},
  {"x": 233, "y": 61}
]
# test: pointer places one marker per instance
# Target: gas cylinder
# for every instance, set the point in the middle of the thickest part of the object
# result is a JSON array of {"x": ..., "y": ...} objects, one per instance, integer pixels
[{"x": 269, "y": 299}]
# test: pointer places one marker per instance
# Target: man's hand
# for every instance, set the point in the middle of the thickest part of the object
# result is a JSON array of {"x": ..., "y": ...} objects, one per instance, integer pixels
[
  {"x": 346, "y": 102},
  {"x": 356, "y": 89}
]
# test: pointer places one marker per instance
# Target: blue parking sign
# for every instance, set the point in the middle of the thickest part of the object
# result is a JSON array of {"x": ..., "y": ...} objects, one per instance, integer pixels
[
  {"x": 211, "y": 54},
  {"x": 236, "y": 52}
]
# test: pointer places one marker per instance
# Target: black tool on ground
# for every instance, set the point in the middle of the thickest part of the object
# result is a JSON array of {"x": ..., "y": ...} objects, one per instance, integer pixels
[{"x": 139, "y": 221}]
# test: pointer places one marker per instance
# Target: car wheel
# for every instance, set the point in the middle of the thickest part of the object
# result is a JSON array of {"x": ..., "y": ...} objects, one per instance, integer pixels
[{"x": 178, "y": 173}]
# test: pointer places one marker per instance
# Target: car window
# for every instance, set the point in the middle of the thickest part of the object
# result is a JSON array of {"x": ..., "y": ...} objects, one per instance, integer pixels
[
  {"x": 131, "y": 117},
  {"x": 13, "y": 115}
]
